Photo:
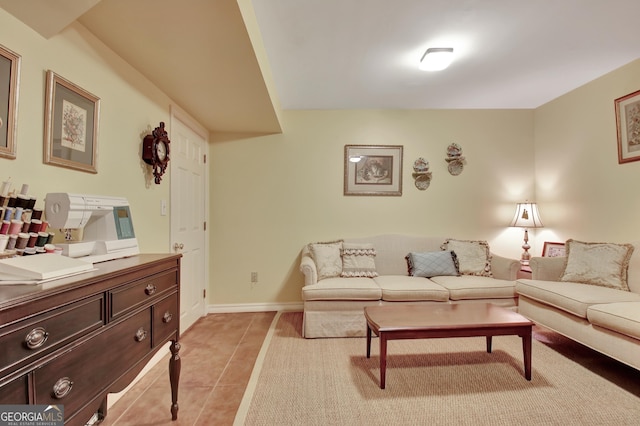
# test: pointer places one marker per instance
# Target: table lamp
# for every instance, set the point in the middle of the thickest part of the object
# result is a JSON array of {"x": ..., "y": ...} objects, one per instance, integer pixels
[{"x": 526, "y": 217}]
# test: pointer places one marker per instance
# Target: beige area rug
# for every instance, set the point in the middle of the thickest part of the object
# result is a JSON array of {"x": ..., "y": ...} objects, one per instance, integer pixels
[{"x": 299, "y": 381}]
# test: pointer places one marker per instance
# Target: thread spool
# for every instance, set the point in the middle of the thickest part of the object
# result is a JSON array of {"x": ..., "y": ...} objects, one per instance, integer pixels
[
  {"x": 23, "y": 239},
  {"x": 42, "y": 239},
  {"x": 8, "y": 213},
  {"x": 17, "y": 213},
  {"x": 36, "y": 225},
  {"x": 49, "y": 248},
  {"x": 29, "y": 251},
  {"x": 24, "y": 189},
  {"x": 44, "y": 226},
  {"x": 12, "y": 201},
  {"x": 4, "y": 228},
  {"x": 26, "y": 225},
  {"x": 50, "y": 238},
  {"x": 22, "y": 201},
  {"x": 4, "y": 240},
  {"x": 36, "y": 214},
  {"x": 33, "y": 236},
  {"x": 15, "y": 227},
  {"x": 11, "y": 244},
  {"x": 32, "y": 203}
]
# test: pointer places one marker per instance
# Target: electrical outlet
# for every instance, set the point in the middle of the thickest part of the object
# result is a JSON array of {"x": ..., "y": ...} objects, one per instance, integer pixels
[{"x": 254, "y": 277}]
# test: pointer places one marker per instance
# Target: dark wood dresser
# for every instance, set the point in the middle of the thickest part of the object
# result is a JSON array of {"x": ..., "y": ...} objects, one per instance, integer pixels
[{"x": 71, "y": 341}]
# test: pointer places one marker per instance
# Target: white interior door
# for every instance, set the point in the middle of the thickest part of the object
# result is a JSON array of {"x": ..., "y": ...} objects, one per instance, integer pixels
[{"x": 189, "y": 202}]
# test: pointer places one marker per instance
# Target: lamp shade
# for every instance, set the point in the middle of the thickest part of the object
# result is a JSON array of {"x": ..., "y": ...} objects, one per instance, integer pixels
[{"x": 527, "y": 216}]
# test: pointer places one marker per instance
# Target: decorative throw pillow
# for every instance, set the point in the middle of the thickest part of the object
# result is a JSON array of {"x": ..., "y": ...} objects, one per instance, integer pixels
[
  {"x": 327, "y": 258},
  {"x": 432, "y": 264},
  {"x": 474, "y": 257},
  {"x": 603, "y": 264},
  {"x": 358, "y": 260}
]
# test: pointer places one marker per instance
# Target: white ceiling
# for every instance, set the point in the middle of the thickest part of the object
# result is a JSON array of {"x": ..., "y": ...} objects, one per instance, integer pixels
[{"x": 230, "y": 63}]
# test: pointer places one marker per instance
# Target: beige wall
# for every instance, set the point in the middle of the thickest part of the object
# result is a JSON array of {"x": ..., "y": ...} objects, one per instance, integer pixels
[
  {"x": 582, "y": 191},
  {"x": 271, "y": 195},
  {"x": 129, "y": 105}
]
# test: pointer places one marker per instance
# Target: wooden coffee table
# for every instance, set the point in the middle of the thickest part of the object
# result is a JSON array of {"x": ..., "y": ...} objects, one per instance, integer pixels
[{"x": 445, "y": 320}]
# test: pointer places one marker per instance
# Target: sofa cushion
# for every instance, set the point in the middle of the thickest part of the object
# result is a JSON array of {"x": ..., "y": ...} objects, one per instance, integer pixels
[
  {"x": 358, "y": 260},
  {"x": 474, "y": 257},
  {"x": 603, "y": 264},
  {"x": 401, "y": 288},
  {"x": 342, "y": 289},
  {"x": 432, "y": 264},
  {"x": 470, "y": 287},
  {"x": 620, "y": 317},
  {"x": 327, "y": 258},
  {"x": 574, "y": 298}
]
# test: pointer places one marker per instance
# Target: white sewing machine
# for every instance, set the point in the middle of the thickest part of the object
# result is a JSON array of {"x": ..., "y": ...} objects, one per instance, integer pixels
[{"x": 106, "y": 223}]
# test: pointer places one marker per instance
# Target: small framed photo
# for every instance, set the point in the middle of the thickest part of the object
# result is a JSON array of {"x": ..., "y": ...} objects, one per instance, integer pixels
[
  {"x": 373, "y": 170},
  {"x": 628, "y": 126},
  {"x": 71, "y": 125},
  {"x": 553, "y": 250},
  {"x": 9, "y": 81}
]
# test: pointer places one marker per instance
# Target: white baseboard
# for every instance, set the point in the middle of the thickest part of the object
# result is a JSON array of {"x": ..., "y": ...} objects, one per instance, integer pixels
[{"x": 254, "y": 307}]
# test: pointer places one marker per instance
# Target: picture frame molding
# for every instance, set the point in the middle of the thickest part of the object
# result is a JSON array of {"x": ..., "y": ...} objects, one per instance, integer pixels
[
  {"x": 375, "y": 153},
  {"x": 553, "y": 249},
  {"x": 623, "y": 106},
  {"x": 9, "y": 123},
  {"x": 58, "y": 90}
]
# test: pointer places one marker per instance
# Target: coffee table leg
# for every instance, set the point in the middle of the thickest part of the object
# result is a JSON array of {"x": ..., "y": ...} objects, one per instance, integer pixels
[
  {"x": 526, "y": 349},
  {"x": 368, "y": 341},
  {"x": 489, "y": 344},
  {"x": 383, "y": 358}
]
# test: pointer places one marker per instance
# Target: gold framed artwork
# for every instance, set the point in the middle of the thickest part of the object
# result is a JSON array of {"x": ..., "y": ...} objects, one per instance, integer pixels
[
  {"x": 9, "y": 83},
  {"x": 628, "y": 127},
  {"x": 553, "y": 249},
  {"x": 71, "y": 125},
  {"x": 373, "y": 170}
]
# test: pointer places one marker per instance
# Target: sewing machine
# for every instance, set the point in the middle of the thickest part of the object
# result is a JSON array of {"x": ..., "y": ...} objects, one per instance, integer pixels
[{"x": 105, "y": 221}]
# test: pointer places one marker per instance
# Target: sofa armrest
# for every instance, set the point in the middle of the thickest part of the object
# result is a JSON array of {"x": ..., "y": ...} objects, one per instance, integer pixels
[
  {"x": 308, "y": 268},
  {"x": 547, "y": 268},
  {"x": 504, "y": 268}
]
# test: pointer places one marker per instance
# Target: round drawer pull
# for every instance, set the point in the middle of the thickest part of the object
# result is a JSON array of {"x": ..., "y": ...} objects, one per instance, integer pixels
[
  {"x": 167, "y": 317},
  {"x": 62, "y": 387},
  {"x": 150, "y": 289},
  {"x": 36, "y": 338},
  {"x": 141, "y": 334}
]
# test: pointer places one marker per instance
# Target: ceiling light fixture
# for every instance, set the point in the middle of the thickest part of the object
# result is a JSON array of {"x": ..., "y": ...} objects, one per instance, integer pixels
[{"x": 436, "y": 58}]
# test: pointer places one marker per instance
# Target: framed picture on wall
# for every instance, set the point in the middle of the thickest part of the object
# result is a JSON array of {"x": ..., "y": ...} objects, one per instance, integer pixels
[
  {"x": 628, "y": 126},
  {"x": 71, "y": 125},
  {"x": 9, "y": 81},
  {"x": 553, "y": 250},
  {"x": 373, "y": 170}
]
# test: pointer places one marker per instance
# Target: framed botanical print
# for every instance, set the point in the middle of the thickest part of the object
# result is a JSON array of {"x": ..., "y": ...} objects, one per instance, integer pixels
[
  {"x": 71, "y": 125},
  {"x": 9, "y": 81},
  {"x": 628, "y": 127},
  {"x": 553, "y": 249},
  {"x": 373, "y": 170}
]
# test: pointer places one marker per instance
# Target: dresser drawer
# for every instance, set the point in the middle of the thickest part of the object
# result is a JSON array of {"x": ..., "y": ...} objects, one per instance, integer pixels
[
  {"x": 33, "y": 337},
  {"x": 165, "y": 319},
  {"x": 129, "y": 297},
  {"x": 81, "y": 373},
  {"x": 14, "y": 392}
]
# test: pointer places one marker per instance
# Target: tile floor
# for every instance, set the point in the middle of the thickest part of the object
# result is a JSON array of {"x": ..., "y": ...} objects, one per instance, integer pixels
[{"x": 218, "y": 353}]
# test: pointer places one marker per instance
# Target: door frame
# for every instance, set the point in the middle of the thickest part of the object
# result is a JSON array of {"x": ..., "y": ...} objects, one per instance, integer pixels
[{"x": 177, "y": 113}]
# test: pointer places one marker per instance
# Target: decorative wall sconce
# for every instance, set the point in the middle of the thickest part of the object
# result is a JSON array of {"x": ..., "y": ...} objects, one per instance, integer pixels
[
  {"x": 421, "y": 174},
  {"x": 526, "y": 217},
  {"x": 455, "y": 159}
]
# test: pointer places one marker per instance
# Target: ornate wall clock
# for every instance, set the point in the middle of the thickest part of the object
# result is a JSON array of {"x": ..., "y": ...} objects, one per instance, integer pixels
[{"x": 155, "y": 151}]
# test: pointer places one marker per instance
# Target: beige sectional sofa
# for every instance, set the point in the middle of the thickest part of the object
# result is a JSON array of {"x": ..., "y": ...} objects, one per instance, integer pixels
[
  {"x": 592, "y": 296},
  {"x": 334, "y": 304}
]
